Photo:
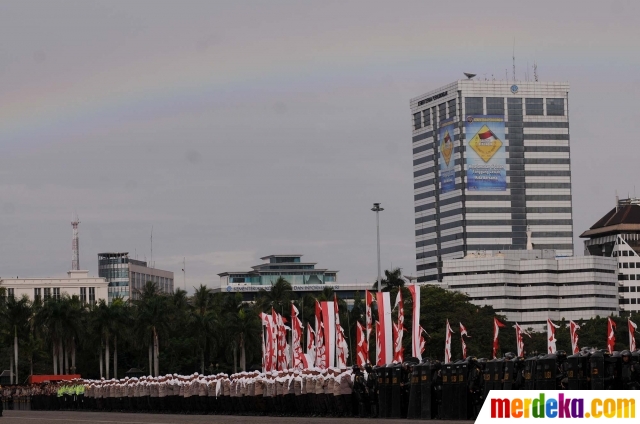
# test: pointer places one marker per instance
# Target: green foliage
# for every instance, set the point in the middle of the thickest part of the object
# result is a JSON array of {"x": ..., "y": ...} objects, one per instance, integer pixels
[{"x": 221, "y": 332}]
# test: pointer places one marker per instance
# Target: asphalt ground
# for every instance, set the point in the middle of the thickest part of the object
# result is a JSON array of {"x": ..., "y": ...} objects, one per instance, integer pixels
[{"x": 77, "y": 417}]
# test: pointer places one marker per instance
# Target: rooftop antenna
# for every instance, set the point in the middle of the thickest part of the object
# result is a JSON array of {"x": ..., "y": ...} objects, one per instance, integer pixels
[
  {"x": 617, "y": 201},
  {"x": 535, "y": 71},
  {"x": 506, "y": 74},
  {"x": 75, "y": 244},
  {"x": 151, "y": 260},
  {"x": 514, "y": 59}
]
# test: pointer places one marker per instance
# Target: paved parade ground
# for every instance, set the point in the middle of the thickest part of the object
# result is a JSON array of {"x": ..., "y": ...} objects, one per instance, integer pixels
[{"x": 64, "y": 417}]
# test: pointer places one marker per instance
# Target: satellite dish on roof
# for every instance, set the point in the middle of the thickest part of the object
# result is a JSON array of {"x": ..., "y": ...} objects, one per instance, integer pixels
[{"x": 469, "y": 75}]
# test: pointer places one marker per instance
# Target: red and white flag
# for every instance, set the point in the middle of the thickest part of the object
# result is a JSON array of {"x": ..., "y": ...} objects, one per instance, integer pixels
[
  {"x": 422, "y": 344},
  {"x": 611, "y": 335},
  {"x": 299, "y": 358},
  {"x": 361, "y": 355},
  {"x": 496, "y": 342},
  {"x": 398, "y": 330},
  {"x": 519, "y": 340},
  {"x": 551, "y": 336},
  {"x": 463, "y": 332},
  {"x": 283, "y": 362},
  {"x": 573, "y": 330},
  {"x": 379, "y": 361},
  {"x": 632, "y": 337},
  {"x": 386, "y": 335},
  {"x": 311, "y": 345},
  {"x": 267, "y": 344},
  {"x": 320, "y": 349},
  {"x": 329, "y": 321},
  {"x": 342, "y": 351},
  {"x": 369, "y": 320},
  {"x": 416, "y": 335},
  {"x": 447, "y": 343}
]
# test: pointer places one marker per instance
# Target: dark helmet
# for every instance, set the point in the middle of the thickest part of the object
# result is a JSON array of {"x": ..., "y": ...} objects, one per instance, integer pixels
[
  {"x": 367, "y": 367},
  {"x": 561, "y": 355},
  {"x": 509, "y": 355},
  {"x": 625, "y": 353}
]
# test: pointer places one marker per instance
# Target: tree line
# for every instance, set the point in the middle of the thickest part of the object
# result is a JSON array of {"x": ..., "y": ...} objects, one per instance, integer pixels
[{"x": 219, "y": 332}]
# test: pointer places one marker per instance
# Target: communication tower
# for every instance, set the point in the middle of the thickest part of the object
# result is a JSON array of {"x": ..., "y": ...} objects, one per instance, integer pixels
[{"x": 75, "y": 245}]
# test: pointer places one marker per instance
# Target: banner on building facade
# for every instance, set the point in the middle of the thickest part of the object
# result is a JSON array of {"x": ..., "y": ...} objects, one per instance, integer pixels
[
  {"x": 447, "y": 162},
  {"x": 485, "y": 153}
]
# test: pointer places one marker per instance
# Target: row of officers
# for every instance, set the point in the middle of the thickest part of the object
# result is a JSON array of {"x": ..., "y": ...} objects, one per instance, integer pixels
[{"x": 415, "y": 389}]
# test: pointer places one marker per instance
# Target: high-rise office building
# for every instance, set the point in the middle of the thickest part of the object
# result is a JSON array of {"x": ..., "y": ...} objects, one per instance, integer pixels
[{"x": 490, "y": 162}]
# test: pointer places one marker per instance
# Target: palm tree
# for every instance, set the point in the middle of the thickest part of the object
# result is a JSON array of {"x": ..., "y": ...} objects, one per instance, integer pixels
[
  {"x": 53, "y": 319},
  {"x": 246, "y": 327},
  {"x": 392, "y": 280},
  {"x": 278, "y": 298},
  {"x": 203, "y": 319},
  {"x": 17, "y": 316},
  {"x": 151, "y": 318}
]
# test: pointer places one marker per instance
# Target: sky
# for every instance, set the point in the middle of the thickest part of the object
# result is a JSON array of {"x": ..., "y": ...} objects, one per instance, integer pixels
[{"x": 240, "y": 129}]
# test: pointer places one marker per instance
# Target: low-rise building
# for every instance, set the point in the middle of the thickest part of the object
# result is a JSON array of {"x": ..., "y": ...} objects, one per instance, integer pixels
[
  {"x": 77, "y": 283},
  {"x": 529, "y": 286},
  {"x": 127, "y": 276},
  {"x": 304, "y": 277}
]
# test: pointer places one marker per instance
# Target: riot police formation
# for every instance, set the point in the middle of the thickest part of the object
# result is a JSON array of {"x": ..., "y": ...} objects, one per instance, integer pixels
[{"x": 416, "y": 389}]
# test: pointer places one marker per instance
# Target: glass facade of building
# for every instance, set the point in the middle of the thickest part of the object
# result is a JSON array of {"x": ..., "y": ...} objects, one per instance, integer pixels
[{"x": 126, "y": 276}]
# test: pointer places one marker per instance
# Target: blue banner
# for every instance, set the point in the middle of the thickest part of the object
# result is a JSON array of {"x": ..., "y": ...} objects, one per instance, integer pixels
[
  {"x": 447, "y": 161},
  {"x": 486, "y": 154}
]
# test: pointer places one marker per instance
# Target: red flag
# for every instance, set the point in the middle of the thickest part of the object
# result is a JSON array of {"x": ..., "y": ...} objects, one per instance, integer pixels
[
  {"x": 447, "y": 343},
  {"x": 573, "y": 330},
  {"x": 385, "y": 329},
  {"x": 551, "y": 336},
  {"x": 519, "y": 341},
  {"x": 632, "y": 338},
  {"x": 398, "y": 330},
  {"x": 611, "y": 335},
  {"x": 361, "y": 356},
  {"x": 320, "y": 348},
  {"x": 496, "y": 330},
  {"x": 463, "y": 332},
  {"x": 369, "y": 323}
]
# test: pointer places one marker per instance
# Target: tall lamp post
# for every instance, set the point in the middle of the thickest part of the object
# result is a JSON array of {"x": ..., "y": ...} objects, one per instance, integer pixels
[{"x": 377, "y": 209}]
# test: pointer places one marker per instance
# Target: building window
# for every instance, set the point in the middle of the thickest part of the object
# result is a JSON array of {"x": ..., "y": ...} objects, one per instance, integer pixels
[
  {"x": 11, "y": 292},
  {"x": 633, "y": 301},
  {"x": 555, "y": 107},
  {"x": 426, "y": 117},
  {"x": 83, "y": 294},
  {"x": 56, "y": 293},
  {"x": 37, "y": 294},
  {"x": 47, "y": 293},
  {"x": 92, "y": 295},
  {"x": 534, "y": 107},
  {"x": 416, "y": 121},
  {"x": 452, "y": 108},
  {"x": 495, "y": 106},
  {"x": 442, "y": 112},
  {"x": 473, "y": 106}
]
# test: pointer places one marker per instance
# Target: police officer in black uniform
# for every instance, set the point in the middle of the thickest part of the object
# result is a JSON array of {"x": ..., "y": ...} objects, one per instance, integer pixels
[
  {"x": 372, "y": 390},
  {"x": 475, "y": 386},
  {"x": 562, "y": 381},
  {"x": 360, "y": 392},
  {"x": 629, "y": 372}
]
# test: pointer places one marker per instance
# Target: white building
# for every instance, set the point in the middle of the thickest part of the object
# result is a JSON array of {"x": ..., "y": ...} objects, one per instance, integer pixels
[
  {"x": 529, "y": 286},
  {"x": 617, "y": 235},
  {"x": 88, "y": 289},
  {"x": 490, "y": 158}
]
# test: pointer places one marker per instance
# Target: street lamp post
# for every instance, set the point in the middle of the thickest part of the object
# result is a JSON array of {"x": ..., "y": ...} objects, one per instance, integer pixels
[{"x": 377, "y": 209}]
